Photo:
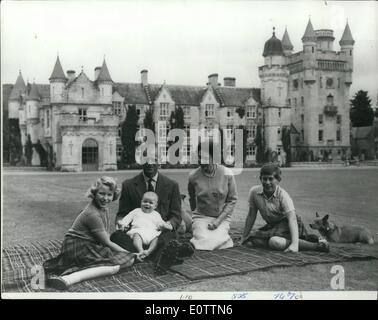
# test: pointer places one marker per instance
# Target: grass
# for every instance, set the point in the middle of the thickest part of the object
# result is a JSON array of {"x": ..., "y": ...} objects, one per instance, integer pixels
[{"x": 42, "y": 206}]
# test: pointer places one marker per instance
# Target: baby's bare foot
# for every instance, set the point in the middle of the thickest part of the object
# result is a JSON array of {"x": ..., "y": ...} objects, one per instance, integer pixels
[{"x": 139, "y": 256}]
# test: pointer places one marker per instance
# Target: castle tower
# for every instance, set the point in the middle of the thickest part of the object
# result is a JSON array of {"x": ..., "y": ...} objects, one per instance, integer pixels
[
  {"x": 346, "y": 46},
  {"x": 57, "y": 83},
  {"x": 15, "y": 97},
  {"x": 32, "y": 119},
  {"x": 274, "y": 86},
  {"x": 105, "y": 84},
  {"x": 309, "y": 53},
  {"x": 286, "y": 44}
]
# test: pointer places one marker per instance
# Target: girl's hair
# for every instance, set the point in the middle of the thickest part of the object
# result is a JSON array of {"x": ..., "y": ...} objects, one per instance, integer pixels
[{"x": 104, "y": 181}]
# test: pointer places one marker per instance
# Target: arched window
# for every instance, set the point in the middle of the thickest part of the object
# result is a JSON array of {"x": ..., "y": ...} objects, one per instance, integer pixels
[{"x": 330, "y": 100}]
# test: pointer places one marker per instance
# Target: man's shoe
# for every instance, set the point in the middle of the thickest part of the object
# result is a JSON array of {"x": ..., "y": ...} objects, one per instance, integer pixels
[{"x": 168, "y": 257}]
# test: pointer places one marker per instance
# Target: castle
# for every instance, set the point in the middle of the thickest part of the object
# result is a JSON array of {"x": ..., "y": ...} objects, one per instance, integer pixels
[{"x": 305, "y": 94}]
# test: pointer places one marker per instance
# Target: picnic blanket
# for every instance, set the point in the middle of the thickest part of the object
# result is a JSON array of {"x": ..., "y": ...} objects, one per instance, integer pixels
[{"x": 18, "y": 262}]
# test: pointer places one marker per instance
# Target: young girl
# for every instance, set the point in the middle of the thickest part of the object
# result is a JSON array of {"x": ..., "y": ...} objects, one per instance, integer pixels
[{"x": 87, "y": 251}]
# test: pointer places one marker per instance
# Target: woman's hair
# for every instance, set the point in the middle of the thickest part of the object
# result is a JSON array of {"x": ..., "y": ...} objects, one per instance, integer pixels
[
  {"x": 104, "y": 181},
  {"x": 271, "y": 169}
]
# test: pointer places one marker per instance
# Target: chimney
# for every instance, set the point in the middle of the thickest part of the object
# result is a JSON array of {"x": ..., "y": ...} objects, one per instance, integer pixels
[
  {"x": 144, "y": 77},
  {"x": 213, "y": 79},
  {"x": 71, "y": 75},
  {"x": 97, "y": 72},
  {"x": 229, "y": 82}
]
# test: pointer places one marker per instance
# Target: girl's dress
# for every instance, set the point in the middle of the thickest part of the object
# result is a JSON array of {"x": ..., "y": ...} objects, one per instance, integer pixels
[
  {"x": 211, "y": 195},
  {"x": 81, "y": 250}
]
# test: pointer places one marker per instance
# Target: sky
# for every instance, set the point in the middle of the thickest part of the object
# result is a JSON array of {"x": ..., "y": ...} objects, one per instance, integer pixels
[{"x": 177, "y": 41}]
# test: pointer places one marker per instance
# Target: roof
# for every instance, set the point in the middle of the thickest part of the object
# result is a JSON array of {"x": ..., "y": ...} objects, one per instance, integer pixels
[
  {"x": 186, "y": 95},
  {"x": 133, "y": 93},
  {"x": 347, "y": 38},
  {"x": 286, "y": 43},
  {"x": 229, "y": 96},
  {"x": 58, "y": 73},
  {"x": 309, "y": 34},
  {"x": 18, "y": 88},
  {"x": 33, "y": 93},
  {"x": 273, "y": 47},
  {"x": 104, "y": 74}
]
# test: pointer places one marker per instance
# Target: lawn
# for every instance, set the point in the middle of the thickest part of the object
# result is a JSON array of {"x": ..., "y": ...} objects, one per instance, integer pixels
[{"x": 42, "y": 206}]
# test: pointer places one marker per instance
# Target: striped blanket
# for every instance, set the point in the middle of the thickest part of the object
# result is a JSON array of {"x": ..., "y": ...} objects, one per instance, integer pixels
[{"x": 19, "y": 265}]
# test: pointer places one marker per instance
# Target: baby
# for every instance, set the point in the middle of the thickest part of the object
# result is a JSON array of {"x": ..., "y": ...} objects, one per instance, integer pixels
[{"x": 146, "y": 225}]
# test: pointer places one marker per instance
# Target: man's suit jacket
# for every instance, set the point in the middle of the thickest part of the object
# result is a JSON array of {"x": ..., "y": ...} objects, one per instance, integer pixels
[{"x": 169, "y": 205}]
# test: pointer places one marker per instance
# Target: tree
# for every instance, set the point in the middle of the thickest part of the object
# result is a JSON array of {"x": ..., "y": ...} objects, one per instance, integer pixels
[
  {"x": 128, "y": 130},
  {"x": 148, "y": 121},
  {"x": 361, "y": 113},
  {"x": 259, "y": 141},
  {"x": 14, "y": 144},
  {"x": 176, "y": 120}
]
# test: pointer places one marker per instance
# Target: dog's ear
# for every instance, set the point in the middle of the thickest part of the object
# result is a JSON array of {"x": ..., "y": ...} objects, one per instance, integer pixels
[
  {"x": 317, "y": 214},
  {"x": 325, "y": 218}
]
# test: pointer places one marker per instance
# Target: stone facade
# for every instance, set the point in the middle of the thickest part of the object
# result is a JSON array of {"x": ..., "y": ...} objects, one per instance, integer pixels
[{"x": 77, "y": 120}]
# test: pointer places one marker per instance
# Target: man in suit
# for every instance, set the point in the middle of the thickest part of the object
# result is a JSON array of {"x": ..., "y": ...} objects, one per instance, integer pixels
[{"x": 169, "y": 207}]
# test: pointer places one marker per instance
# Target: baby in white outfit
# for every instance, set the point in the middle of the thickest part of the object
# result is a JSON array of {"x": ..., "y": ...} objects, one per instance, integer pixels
[{"x": 145, "y": 225}]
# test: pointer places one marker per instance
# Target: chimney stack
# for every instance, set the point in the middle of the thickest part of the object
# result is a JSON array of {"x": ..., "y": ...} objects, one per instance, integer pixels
[
  {"x": 144, "y": 77},
  {"x": 97, "y": 71},
  {"x": 213, "y": 79},
  {"x": 71, "y": 75},
  {"x": 229, "y": 82}
]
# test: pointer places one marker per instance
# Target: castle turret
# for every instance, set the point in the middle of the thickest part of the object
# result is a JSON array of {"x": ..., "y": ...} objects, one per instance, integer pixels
[
  {"x": 274, "y": 86},
  {"x": 286, "y": 44},
  {"x": 309, "y": 53},
  {"x": 15, "y": 97},
  {"x": 32, "y": 119},
  {"x": 105, "y": 84},
  {"x": 57, "y": 83},
  {"x": 346, "y": 46}
]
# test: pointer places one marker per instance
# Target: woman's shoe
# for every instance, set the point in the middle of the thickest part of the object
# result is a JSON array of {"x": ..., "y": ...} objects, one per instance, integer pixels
[{"x": 57, "y": 282}]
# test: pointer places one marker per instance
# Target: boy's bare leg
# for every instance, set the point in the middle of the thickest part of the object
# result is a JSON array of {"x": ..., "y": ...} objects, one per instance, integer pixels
[
  {"x": 279, "y": 243},
  {"x": 150, "y": 249}
]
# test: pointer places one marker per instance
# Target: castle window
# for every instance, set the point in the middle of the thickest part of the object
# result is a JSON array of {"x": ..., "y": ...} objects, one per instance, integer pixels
[
  {"x": 312, "y": 49},
  {"x": 230, "y": 112},
  {"x": 289, "y": 102},
  {"x": 279, "y": 151},
  {"x": 119, "y": 130},
  {"x": 338, "y": 82},
  {"x": 302, "y": 134},
  {"x": 321, "y": 82},
  {"x": 338, "y": 135},
  {"x": 320, "y": 119},
  {"x": 350, "y": 52},
  {"x": 186, "y": 110},
  {"x": 330, "y": 100},
  {"x": 329, "y": 82},
  {"x": 82, "y": 92},
  {"x": 279, "y": 132},
  {"x": 251, "y": 112},
  {"x": 164, "y": 107},
  {"x": 338, "y": 119},
  {"x": 279, "y": 113},
  {"x": 82, "y": 114},
  {"x": 251, "y": 151},
  {"x": 302, "y": 117},
  {"x": 209, "y": 111},
  {"x": 320, "y": 135},
  {"x": 119, "y": 151},
  {"x": 302, "y": 83},
  {"x": 295, "y": 84},
  {"x": 117, "y": 108},
  {"x": 47, "y": 119},
  {"x": 302, "y": 101}
]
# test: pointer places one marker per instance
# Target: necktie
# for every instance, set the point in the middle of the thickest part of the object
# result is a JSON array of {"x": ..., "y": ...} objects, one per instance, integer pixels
[{"x": 150, "y": 186}]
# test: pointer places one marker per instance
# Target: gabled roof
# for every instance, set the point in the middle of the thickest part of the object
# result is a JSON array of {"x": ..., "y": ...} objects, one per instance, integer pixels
[
  {"x": 186, "y": 95},
  {"x": 133, "y": 93},
  {"x": 286, "y": 43},
  {"x": 346, "y": 38},
  {"x": 18, "y": 88},
  {"x": 104, "y": 74},
  {"x": 232, "y": 97},
  {"x": 309, "y": 34},
  {"x": 58, "y": 73}
]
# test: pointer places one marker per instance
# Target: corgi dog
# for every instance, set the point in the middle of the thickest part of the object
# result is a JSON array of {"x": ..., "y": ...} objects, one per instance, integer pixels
[{"x": 342, "y": 234}]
